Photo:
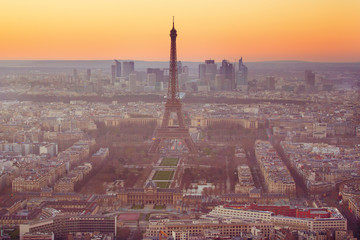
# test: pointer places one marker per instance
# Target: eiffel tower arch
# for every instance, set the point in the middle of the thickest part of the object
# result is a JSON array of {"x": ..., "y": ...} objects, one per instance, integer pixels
[{"x": 173, "y": 105}]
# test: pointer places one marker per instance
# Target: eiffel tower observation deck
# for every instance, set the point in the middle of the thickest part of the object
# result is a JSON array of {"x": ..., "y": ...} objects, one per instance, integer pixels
[{"x": 173, "y": 105}]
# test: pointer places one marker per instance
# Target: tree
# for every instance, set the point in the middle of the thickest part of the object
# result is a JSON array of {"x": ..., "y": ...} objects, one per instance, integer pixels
[
  {"x": 15, "y": 234},
  {"x": 123, "y": 233},
  {"x": 137, "y": 235}
]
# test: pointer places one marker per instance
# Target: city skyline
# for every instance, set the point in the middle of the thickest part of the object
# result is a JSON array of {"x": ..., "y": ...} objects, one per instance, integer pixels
[
  {"x": 321, "y": 31},
  {"x": 109, "y": 149}
]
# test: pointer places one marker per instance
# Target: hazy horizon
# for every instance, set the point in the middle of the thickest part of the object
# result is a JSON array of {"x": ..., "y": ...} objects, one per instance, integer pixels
[
  {"x": 320, "y": 31},
  {"x": 194, "y": 61}
]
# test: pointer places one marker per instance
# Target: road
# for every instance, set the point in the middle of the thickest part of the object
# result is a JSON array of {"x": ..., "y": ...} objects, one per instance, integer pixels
[
  {"x": 228, "y": 183},
  {"x": 255, "y": 169},
  {"x": 301, "y": 189}
]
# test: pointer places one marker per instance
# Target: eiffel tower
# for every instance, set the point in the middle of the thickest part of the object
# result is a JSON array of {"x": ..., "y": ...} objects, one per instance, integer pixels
[{"x": 173, "y": 105}]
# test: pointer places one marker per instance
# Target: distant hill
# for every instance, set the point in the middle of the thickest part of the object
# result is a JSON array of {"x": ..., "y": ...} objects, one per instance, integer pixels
[
  {"x": 56, "y": 65},
  {"x": 301, "y": 66}
]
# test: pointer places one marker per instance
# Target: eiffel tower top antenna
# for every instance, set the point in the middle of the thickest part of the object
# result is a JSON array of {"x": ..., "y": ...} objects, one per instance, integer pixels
[{"x": 173, "y": 87}]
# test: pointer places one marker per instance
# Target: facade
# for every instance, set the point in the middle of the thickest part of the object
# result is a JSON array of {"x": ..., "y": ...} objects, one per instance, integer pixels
[
  {"x": 151, "y": 79},
  {"x": 254, "y": 196},
  {"x": 240, "y": 212},
  {"x": 150, "y": 195},
  {"x": 100, "y": 155},
  {"x": 88, "y": 74},
  {"x": 117, "y": 121},
  {"x": 128, "y": 67},
  {"x": 132, "y": 82},
  {"x": 207, "y": 73},
  {"x": 319, "y": 130},
  {"x": 158, "y": 74},
  {"x": 12, "y": 205},
  {"x": 284, "y": 216},
  {"x": 227, "y": 70},
  {"x": 200, "y": 228},
  {"x": 49, "y": 148},
  {"x": 38, "y": 236},
  {"x": 203, "y": 122},
  {"x": 309, "y": 78},
  {"x": 241, "y": 75},
  {"x": 64, "y": 184},
  {"x": 62, "y": 226},
  {"x": 117, "y": 69},
  {"x": 197, "y": 121},
  {"x": 32, "y": 183},
  {"x": 270, "y": 83},
  {"x": 75, "y": 74},
  {"x": 202, "y": 70},
  {"x": 246, "y": 182},
  {"x": 113, "y": 74}
]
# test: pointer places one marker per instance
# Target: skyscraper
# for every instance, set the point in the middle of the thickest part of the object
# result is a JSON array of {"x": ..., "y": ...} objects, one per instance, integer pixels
[
  {"x": 270, "y": 83},
  {"x": 241, "y": 75},
  {"x": 158, "y": 72},
  {"x": 202, "y": 70},
  {"x": 133, "y": 82},
  {"x": 207, "y": 73},
  {"x": 113, "y": 73},
  {"x": 75, "y": 74},
  {"x": 88, "y": 74},
  {"x": 309, "y": 78},
  {"x": 128, "y": 67},
  {"x": 179, "y": 66},
  {"x": 151, "y": 79},
  {"x": 227, "y": 70},
  {"x": 117, "y": 68}
]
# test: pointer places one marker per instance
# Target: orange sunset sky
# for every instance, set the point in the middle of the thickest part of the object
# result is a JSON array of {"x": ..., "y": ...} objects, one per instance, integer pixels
[{"x": 258, "y": 30}]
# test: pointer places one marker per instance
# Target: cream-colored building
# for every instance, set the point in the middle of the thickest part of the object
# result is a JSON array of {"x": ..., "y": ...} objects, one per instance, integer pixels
[
  {"x": 246, "y": 182},
  {"x": 319, "y": 130},
  {"x": 335, "y": 221},
  {"x": 182, "y": 229},
  {"x": 64, "y": 185},
  {"x": 202, "y": 122},
  {"x": 31, "y": 183}
]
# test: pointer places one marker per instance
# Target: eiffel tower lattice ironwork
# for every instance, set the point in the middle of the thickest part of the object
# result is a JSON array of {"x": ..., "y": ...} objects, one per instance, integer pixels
[{"x": 173, "y": 105}]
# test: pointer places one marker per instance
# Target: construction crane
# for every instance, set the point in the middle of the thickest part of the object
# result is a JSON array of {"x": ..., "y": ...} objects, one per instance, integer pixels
[{"x": 162, "y": 233}]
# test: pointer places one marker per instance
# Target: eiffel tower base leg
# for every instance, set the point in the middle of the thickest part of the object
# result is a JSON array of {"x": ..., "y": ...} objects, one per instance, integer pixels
[
  {"x": 190, "y": 145},
  {"x": 155, "y": 146}
]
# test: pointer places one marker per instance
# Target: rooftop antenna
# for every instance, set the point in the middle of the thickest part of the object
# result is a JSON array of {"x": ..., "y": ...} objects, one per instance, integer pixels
[{"x": 173, "y": 21}]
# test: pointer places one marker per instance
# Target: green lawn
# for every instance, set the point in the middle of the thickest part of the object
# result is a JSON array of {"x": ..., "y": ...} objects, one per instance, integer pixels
[
  {"x": 169, "y": 162},
  {"x": 162, "y": 184},
  {"x": 137, "y": 207},
  {"x": 159, "y": 206},
  {"x": 163, "y": 175}
]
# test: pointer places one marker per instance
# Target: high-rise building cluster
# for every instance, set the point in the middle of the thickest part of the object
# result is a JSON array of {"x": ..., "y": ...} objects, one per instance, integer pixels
[
  {"x": 227, "y": 77},
  {"x": 117, "y": 72}
]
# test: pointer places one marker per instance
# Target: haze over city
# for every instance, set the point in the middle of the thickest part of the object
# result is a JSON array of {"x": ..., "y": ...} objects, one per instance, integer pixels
[{"x": 180, "y": 120}]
